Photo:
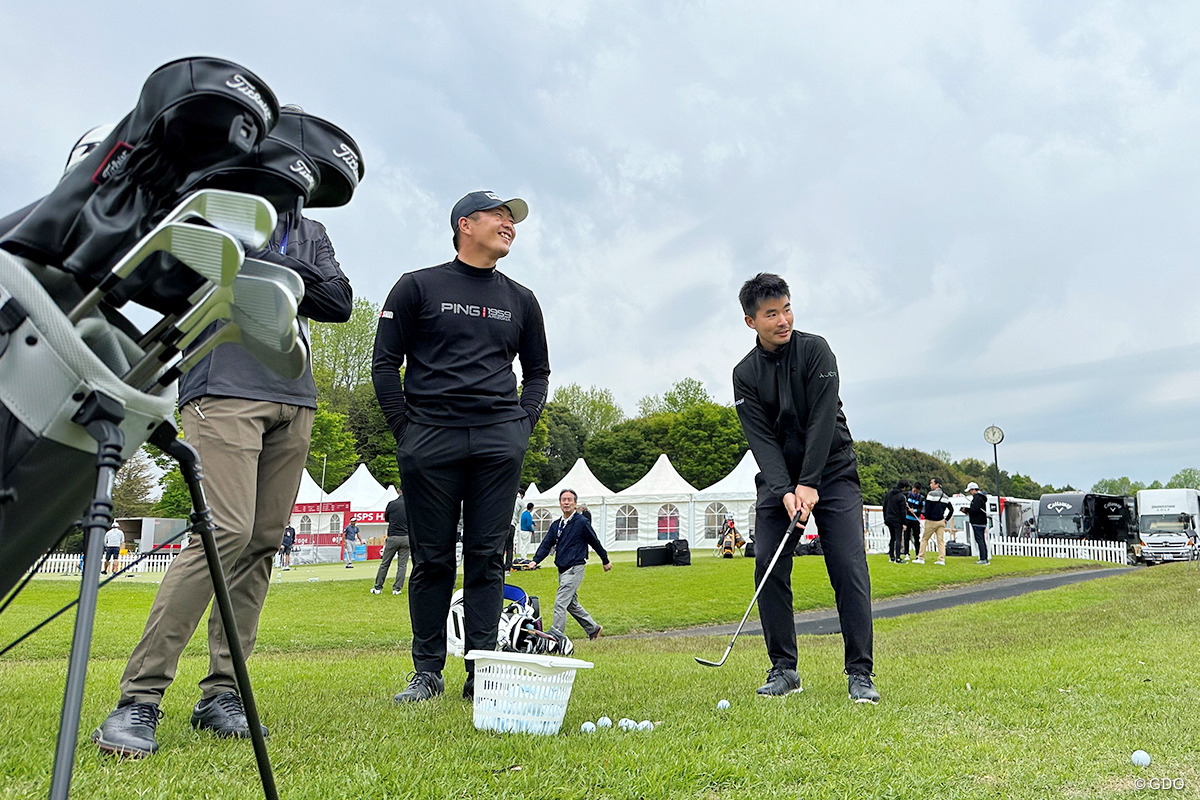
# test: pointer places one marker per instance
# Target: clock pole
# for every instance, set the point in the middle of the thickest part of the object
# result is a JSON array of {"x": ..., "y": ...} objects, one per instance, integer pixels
[{"x": 993, "y": 436}]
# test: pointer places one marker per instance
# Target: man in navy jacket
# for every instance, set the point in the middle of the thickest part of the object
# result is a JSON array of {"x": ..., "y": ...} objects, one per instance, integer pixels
[{"x": 572, "y": 534}]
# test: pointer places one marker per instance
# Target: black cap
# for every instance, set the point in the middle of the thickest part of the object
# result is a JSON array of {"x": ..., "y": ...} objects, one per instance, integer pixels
[{"x": 485, "y": 201}]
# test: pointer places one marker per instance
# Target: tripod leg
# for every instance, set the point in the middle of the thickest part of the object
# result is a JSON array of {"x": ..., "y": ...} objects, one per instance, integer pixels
[
  {"x": 99, "y": 416},
  {"x": 189, "y": 465}
]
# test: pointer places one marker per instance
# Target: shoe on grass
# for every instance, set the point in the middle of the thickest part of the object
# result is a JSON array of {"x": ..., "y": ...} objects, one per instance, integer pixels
[
  {"x": 986, "y": 562},
  {"x": 918, "y": 561},
  {"x": 596, "y": 633},
  {"x": 862, "y": 689},
  {"x": 422, "y": 686},
  {"x": 376, "y": 590},
  {"x": 224, "y": 715},
  {"x": 941, "y": 562},
  {"x": 469, "y": 687},
  {"x": 397, "y": 591},
  {"x": 781, "y": 682},
  {"x": 129, "y": 731}
]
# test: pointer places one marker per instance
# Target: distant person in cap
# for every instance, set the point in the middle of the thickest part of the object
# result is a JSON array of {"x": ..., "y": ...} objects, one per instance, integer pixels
[
  {"x": 461, "y": 427},
  {"x": 977, "y": 517},
  {"x": 112, "y": 547}
]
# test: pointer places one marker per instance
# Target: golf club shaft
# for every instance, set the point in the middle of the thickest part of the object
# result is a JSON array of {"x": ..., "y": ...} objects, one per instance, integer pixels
[{"x": 787, "y": 536}]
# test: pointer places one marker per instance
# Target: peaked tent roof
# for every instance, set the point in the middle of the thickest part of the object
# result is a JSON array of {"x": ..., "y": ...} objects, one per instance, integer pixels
[
  {"x": 309, "y": 492},
  {"x": 737, "y": 485},
  {"x": 532, "y": 492},
  {"x": 360, "y": 489},
  {"x": 661, "y": 481},
  {"x": 380, "y": 503},
  {"x": 580, "y": 480}
]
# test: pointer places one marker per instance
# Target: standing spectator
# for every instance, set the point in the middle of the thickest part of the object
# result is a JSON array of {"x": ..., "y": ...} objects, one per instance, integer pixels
[
  {"x": 570, "y": 537},
  {"x": 396, "y": 517},
  {"x": 350, "y": 540},
  {"x": 938, "y": 514},
  {"x": 786, "y": 396},
  {"x": 461, "y": 426},
  {"x": 977, "y": 518},
  {"x": 512, "y": 531},
  {"x": 915, "y": 505},
  {"x": 289, "y": 540},
  {"x": 585, "y": 513},
  {"x": 252, "y": 430},
  {"x": 526, "y": 530},
  {"x": 894, "y": 508},
  {"x": 112, "y": 548}
]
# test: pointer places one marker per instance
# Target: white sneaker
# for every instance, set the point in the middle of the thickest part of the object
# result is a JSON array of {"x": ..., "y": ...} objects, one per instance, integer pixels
[
  {"x": 918, "y": 561},
  {"x": 940, "y": 563},
  {"x": 376, "y": 591},
  {"x": 397, "y": 591}
]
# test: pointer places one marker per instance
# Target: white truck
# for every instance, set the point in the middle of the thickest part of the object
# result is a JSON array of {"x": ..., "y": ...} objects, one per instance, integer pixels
[{"x": 1168, "y": 520}]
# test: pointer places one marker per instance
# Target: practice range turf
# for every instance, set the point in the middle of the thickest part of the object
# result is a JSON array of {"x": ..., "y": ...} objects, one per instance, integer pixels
[{"x": 1043, "y": 695}]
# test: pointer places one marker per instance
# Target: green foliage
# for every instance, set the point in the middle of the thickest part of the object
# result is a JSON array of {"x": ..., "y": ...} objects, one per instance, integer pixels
[
  {"x": 176, "y": 501},
  {"x": 873, "y": 490},
  {"x": 535, "y": 454},
  {"x": 132, "y": 487},
  {"x": 566, "y": 435},
  {"x": 595, "y": 407},
  {"x": 685, "y": 394},
  {"x": 341, "y": 355},
  {"x": 1186, "y": 478},
  {"x": 1121, "y": 485},
  {"x": 705, "y": 443},
  {"x": 331, "y": 452},
  {"x": 621, "y": 456},
  {"x": 373, "y": 440}
]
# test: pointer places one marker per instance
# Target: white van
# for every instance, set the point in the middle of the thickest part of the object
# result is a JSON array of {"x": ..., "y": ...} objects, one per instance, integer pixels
[{"x": 1168, "y": 519}]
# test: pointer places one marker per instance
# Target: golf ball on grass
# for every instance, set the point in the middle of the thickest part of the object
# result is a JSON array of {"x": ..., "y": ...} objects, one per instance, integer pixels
[
  {"x": 1141, "y": 758},
  {"x": 588, "y": 727},
  {"x": 604, "y": 722},
  {"x": 722, "y": 705},
  {"x": 645, "y": 725},
  {"x": 625, "y": 723}
]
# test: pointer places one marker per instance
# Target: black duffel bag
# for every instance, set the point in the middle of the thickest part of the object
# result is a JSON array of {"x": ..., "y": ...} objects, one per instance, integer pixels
[{"x": 681, "y": 554}]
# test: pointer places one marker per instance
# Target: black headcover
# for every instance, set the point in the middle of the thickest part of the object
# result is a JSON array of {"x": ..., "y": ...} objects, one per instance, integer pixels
[
  {"x": 334, "y": 151},
  {"x": 191, "y": 112}
]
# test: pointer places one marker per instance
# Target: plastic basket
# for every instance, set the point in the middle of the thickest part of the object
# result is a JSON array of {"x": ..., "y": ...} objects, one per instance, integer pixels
[{"x": 522, "y": 693}]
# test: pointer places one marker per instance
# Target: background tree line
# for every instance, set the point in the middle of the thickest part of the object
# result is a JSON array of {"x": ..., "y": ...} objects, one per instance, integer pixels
[{"x": 702, "y": 438}]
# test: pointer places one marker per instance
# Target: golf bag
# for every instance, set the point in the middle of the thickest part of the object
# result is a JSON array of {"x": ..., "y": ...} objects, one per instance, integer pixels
[
  {"x": 731, "y": 540},
  {"x": 956, "y": 548},
  {"x": 519, "y": 629},
  {"x": 681, "y": 554}
]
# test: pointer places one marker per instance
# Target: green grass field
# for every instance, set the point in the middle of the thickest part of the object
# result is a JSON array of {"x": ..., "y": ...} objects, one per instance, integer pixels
[{"x": 1043, "y": 695}]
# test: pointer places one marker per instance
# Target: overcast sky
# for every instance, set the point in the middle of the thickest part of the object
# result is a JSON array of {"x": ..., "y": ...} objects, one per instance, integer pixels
[{"x": 988, "y": 209}]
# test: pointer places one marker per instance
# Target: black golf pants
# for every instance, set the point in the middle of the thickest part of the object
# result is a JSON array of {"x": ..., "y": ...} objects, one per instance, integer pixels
[
  {"x": 839, "y": 516},
  {"x": 443, "y": 469}
]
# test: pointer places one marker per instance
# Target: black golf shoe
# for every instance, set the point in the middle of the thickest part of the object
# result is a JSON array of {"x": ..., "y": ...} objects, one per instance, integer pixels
[
  {"x": 469, "y": 687},
  {"x": 862, "y": 689},
  {"x": 129, "y": 731},
  {"x": 781, "y": 682},
  {"x": 422, "y": 686},
  {"x": 224, "y": 715}
]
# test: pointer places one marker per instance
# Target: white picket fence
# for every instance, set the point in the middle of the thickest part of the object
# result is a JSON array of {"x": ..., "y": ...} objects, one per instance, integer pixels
[
  {"x": 1112, "y": 552},
  {"x": 68, "y": 563}
]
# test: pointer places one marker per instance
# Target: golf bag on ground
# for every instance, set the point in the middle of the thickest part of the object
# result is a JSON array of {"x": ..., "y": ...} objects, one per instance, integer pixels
[
  {"x": 731, "y": 540},
  {"x": 681, "y": 554},
  {"x": 519, "y": 629}
]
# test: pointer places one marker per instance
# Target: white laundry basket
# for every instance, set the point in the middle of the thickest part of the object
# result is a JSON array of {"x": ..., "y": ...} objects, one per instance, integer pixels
[{"x": 520, "y": 692}]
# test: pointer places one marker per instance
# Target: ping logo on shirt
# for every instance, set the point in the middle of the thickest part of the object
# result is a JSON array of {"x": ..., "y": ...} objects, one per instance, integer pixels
[{"x": 477, "y": 311}]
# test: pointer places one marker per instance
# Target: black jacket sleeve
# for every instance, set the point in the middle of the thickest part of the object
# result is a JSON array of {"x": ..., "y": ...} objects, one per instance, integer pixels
[
  {"x": 534, "y": 355},
  {"x": 761, "y": 437},
  {"x": 822, "y": 389},
  {"x": 391, "y": 336},
  {"x": 327, "y": 293},
  {"x": 548, "y": 542}
]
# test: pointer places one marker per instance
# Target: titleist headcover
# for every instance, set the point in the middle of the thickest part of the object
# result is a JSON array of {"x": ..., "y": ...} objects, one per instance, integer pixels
[
  {"x": 191, "y": 112},
  {"x": 334, "y": 151}
]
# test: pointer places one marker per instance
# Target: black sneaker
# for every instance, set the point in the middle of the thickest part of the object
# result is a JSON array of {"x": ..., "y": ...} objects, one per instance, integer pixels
[
  {"x": 469, "y": 687},
  {"x": 862, "y": 689},
  {"x": 781, "y": 682},
  {"x": 224, "y": 715},
  {"x": 422, "y": 686},
  {"x": 129, "y": 731}
]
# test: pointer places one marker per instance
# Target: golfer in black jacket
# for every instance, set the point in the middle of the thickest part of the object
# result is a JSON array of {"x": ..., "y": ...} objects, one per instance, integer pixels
[
  {"x": 786, "y": 395},
  {"x": 461, "y": 428}
]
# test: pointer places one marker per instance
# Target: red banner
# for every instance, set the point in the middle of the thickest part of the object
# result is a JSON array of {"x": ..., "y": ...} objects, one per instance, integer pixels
[
  {"x": 322, "y": 508},
  {"x": 368, "y": 516}
]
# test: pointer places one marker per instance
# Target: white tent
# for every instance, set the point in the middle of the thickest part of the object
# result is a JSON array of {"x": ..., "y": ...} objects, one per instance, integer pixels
[
  {"x": 589, "y": 491},
  {"x": 532, "y": 492},
  {"x": 656, "y": 508},
  {"x": 361, "y": 490},
  {"x": 309, "y": 492},
  {"x": 734, "y": 494}
]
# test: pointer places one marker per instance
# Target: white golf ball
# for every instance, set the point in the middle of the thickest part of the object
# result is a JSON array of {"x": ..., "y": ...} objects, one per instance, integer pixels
[
  {"x": 722, "y": 705},
  {"x": 1141, "y": 758},
  {"x": 645, "y": 725},
  {"x": 604, "y": 722},
  {"x": 625, "y": 723},
  {"x": 588, "y": 727}
]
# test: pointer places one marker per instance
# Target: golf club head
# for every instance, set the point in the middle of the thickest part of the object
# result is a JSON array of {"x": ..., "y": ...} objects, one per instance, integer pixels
[
  {"x": 257, "y": 268},
  {"x": 265, "y": 309},
  {"x": 249, "y": 218},
  {"x": 211, "y": 253},
  {"x": 290, "y": 364}
]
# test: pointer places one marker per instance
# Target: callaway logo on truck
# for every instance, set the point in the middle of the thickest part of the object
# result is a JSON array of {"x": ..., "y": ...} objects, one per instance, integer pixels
[{"x": 477, "y": 311}]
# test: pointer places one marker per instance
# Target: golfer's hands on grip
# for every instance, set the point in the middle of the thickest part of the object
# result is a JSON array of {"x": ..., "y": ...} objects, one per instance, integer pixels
[{"x": 805, "y": 497}]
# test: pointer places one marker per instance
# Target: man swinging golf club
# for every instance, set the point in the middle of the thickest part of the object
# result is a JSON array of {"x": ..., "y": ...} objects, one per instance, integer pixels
[{"x": 786, "y": 395}]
